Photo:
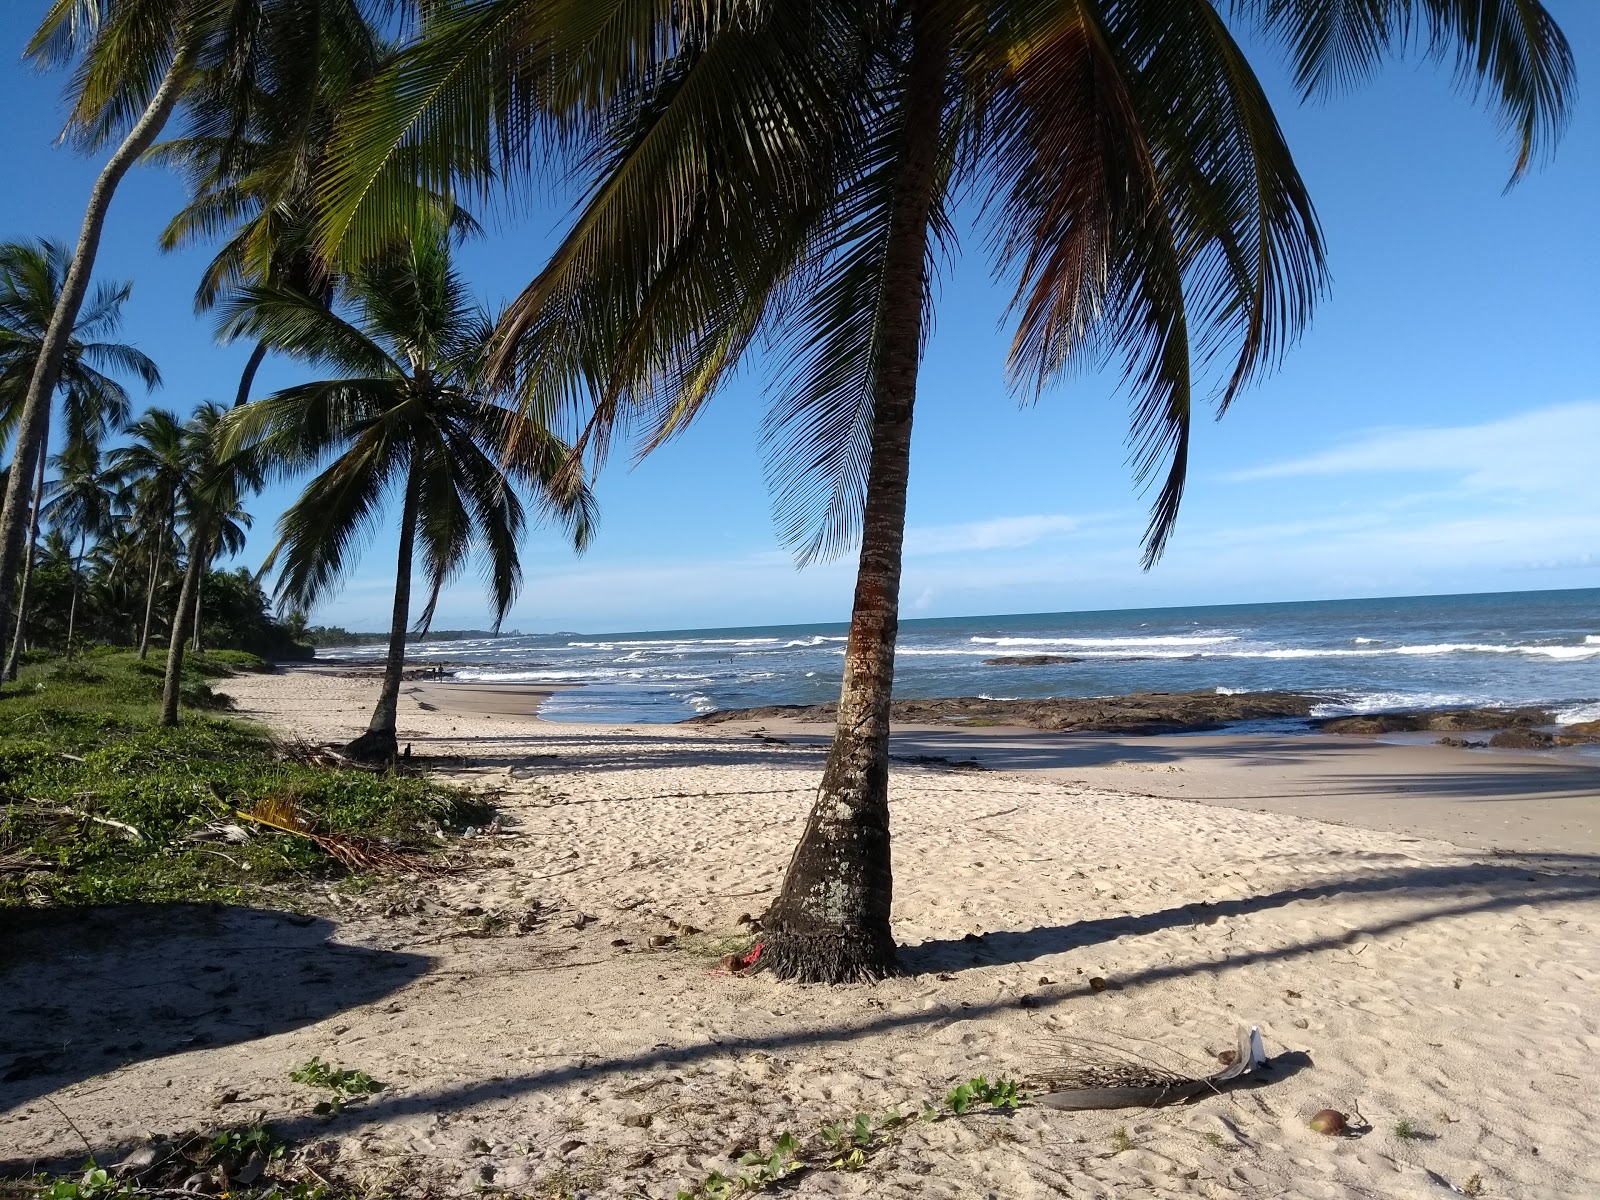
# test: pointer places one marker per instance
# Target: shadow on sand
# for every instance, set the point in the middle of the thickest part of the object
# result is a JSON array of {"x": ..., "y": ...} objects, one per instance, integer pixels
[{"x": 87, "y": 990}]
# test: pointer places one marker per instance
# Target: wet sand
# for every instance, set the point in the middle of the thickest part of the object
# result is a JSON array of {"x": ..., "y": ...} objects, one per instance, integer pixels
[{"x": 1545, "y": 803}]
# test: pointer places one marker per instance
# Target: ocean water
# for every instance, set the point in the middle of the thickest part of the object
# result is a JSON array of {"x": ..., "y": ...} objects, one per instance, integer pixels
[{"x": 1362, "y": 655}]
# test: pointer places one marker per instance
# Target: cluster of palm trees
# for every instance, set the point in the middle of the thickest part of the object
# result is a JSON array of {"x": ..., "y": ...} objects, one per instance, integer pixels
[{"x": 786, "y": 174}]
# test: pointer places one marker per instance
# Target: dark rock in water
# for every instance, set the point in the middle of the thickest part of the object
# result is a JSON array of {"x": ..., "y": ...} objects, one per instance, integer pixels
[
  {"x": 1438, "y": 720},
  {"x": 1461, "y": 743},
  {"x": 1029, "y": 660},
  {"x": 1521, "y": 739},
  {"x": 1140, "y": 713},
  {"x": 1583, "y": 728}
]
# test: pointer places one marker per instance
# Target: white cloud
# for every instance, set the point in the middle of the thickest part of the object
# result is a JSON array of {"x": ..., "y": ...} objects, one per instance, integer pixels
[
  {"x": 997, "y": 533},
  {"x": 1546, "y": 450}
]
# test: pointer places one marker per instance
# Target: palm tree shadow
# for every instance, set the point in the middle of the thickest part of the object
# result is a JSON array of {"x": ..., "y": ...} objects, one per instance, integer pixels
[
  {"x": 86, "y": 991},
  {"x": 1513, "y": 886}
]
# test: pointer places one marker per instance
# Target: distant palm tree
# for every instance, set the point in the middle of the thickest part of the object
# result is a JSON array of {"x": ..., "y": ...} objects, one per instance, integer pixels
[
  {"x": 208, "y": 498},
  {"x": 83, "y": 503},
  {"x": 32, "y": 274},
  {"x": 408, "y": 411},
  {"x": 152, "y": 467},
  {"x": 134, "y": 62},
  {"x": 790, "y": 172}
]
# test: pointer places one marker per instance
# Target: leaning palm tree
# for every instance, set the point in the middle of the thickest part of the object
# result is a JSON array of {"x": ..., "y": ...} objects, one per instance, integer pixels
[
  {"x": 790, "y": 173},
  {"x": 209, "y": 491},
  {"x": 32, "y": 274},
  {"x": 83, "y": 504},
  {"x": 250, "y": 157},
  {"x": 408, "y": 412}
]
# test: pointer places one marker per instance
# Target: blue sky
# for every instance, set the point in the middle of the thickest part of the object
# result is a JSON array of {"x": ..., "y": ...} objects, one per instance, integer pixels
[{"x": 1434, "y": 432}]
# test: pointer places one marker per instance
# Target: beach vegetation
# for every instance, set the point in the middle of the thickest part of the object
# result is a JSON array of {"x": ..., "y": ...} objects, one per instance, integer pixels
[
  {"x": 100, "y": 803},
  {"x": 1135, "y": 189},
  {"x": 409, "y": 410},
  {"x": 94, "y": 402}
]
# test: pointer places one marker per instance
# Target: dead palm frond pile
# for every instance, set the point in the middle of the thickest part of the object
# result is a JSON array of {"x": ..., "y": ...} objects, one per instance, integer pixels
[{"x": 357, "y": 853}]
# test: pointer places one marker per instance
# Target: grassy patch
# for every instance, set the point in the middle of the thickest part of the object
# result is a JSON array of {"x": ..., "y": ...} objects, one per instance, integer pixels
[{"x": 99, "y": 804}]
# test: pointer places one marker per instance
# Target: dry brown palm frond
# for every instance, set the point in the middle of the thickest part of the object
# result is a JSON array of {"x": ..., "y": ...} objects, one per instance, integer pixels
[
  {"x": 357, "y": 853},
  {"x": 1079, "y": 1073}
]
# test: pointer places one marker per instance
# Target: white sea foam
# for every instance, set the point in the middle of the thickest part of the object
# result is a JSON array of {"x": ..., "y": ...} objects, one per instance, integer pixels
[
  {"x": 1392, "y": 701},
  {"x": 1175, "y": 640},
  {"x": 1578, "y": 712}
]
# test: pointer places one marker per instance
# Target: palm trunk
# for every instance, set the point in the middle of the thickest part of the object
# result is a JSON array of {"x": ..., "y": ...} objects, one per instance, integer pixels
[
  {"x": 180, "y": 624},
  {"x": 242, "y": 397},
  {"x": 77, "y": 574},
  {"x": 156, "y": 552},
  {"x": 47, "y": 371},
  {"x": 199, "y": 594},
  {"x": 14, "y": 661},
  {"x": 380, "y": 743},
  {"x": 830, "y": 922}
]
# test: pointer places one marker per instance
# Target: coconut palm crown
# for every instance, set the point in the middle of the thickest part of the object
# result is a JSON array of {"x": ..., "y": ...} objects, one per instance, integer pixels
[{"x": 408, "y": 413}]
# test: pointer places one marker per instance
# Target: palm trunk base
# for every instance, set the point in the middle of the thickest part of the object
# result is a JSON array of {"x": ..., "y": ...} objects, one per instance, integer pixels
[
  {"x": 376, "y": 746},
  {"x": 830, "y": 923},
  {"x": 841, "y": 955}
]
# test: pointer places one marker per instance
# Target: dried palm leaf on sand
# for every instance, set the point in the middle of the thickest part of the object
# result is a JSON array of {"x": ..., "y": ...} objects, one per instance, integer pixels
[
  {"x": 357, "y": 853},
  {"x": 1082, "y": 1074}
]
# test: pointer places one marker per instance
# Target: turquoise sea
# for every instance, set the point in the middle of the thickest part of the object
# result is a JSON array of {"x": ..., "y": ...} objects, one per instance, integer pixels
[{"x": 1362, "y": 655}]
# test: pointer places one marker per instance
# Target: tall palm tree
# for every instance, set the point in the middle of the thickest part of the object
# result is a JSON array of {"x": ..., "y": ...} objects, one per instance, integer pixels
[
  {"x": 32, "y": 274},
  {"x": 789, "y": 172},
  {"x": 134, "y": 62},
  {"x": 250, "y": 157},
  {"x": 153, "y": 467},
  {"x": 83, "y": 503},
  {"x": 408, "y": 412},
  {"x": 209, "y": 492}
]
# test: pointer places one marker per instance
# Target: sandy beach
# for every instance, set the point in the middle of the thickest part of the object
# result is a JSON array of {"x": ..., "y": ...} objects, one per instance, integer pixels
[{"x": 1412, "y": 927}]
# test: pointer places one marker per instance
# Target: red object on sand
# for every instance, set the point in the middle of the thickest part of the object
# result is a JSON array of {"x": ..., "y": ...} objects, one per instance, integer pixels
[{"x": 749, "y": 960}]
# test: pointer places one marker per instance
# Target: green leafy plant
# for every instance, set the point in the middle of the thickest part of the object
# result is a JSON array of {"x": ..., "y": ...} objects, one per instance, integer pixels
[
  {"x": 1003, "y": 1095},
  {"x": 1120, "y": 1140},
  {"x": 1406, "y": 1130},
  {"x": 345, "y": 1084},
  {"x": 96, "y": 1183}
]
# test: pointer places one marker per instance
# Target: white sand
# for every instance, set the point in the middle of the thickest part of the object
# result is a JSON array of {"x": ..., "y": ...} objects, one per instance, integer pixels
[{"x": 1416, "y": 980}]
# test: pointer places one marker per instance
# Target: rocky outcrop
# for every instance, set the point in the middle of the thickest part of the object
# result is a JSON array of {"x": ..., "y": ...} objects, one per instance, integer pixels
[
  {"x": 1029, "y": 660},
  {"x": 1438, "y": 720},
  {"x": 1140, "y": 713}
]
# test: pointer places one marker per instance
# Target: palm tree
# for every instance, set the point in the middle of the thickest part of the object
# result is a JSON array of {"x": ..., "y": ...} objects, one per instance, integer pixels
[
  {"x": 135, "y": 61},
  {"x": 789, "y": 172},
  {"x": 408, "y": 411},
  {"x": 209, "y": 493},
  {"x": 153, "y": 467},
  {"x": 83, "y": 503},
  {"x": 31, "y": 279},
  {"x": 250, "y": 157}
]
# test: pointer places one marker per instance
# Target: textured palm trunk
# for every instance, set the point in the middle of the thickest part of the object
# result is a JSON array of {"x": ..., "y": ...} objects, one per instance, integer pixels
[
  {"x": 14, "y": 660},
  {"x": 830, "y": 922},
  {"x": 380, "y": 743},
  {"x": 47, "y": 371},
  {"x": 242, "y": 396},
  {"x": 180, "y": 624}
]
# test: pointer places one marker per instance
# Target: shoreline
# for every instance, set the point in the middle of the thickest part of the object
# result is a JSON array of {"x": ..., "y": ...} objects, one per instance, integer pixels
[{"x": 1539, "y": 802}]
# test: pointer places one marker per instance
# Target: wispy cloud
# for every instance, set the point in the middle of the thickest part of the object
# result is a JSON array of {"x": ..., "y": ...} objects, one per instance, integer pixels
[
  {"x": 1546, "y": 450},
  {"x": 997, "y": 533}
]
